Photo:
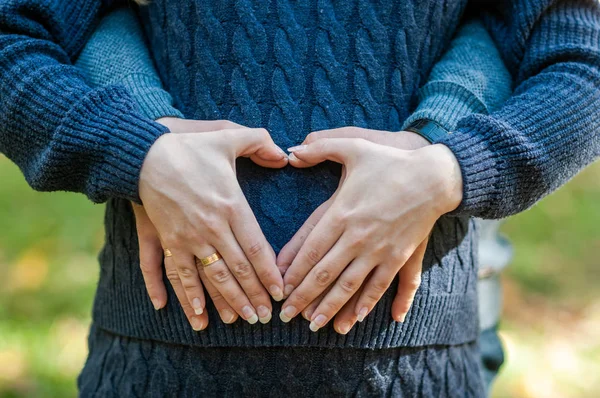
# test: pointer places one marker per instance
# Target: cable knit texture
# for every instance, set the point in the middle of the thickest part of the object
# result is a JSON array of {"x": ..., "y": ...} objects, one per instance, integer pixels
[
  {"x": 125, "y": 367},
  {"x": 294, "y": 67}
]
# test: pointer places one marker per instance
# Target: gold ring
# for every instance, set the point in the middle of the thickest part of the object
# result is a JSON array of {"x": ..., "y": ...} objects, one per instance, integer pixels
[
  {"x": 168, "y": 253},
  {"x": 206, "y": 261}
]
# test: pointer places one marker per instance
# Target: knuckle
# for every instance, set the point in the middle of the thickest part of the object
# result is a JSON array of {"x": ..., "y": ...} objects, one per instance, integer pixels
[
  {"x": 302, "y": 299},
  {"x": 147, "y": 268},
  {"x": 242, "y": 269},
  {"x": 173, "y": 275},
  {"x": 171, "y": 239},
  {"x": 323, "y": 277},
  {"x": 262, "y": 133},
  {"x": 254, "y": 294},
  {"x": 186, "y": 272},
  {"x": 358, "y": 239},
  {"x": 413, "y": 283},
  {"x": 255, "y": 249},
  {"x": 349, "y": 285},
  {"x": 340, "y": 217},
  {"x": 331, "y": 307},
  {"x": 380, "y": 287},
  {"x": 265, "y": 274},
  {"x": 221, "y": 276},
  {"x": 400, "y": 257},
  {"x": 216, "y": 296},
  {"x": 230, "y": 208},
  {"x": 292, "y": 277},
  {"x": 313, "y": 256},
  {"x": 312, "y": 137},
  {"x": 224, "y": 124}
]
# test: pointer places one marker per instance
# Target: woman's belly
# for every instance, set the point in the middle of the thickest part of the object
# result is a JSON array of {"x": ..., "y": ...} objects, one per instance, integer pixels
[{"x": 282, "y": 199}]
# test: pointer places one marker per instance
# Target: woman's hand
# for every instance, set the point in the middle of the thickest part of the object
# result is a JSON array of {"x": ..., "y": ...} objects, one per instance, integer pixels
[
  {"x": 374, "y": 225},
  {"x": 409, "y": 275},
  {"x": 190, "y": 192}
]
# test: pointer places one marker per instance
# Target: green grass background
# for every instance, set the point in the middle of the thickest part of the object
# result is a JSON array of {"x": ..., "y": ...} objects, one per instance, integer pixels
[{"x": 48, "y": 268}]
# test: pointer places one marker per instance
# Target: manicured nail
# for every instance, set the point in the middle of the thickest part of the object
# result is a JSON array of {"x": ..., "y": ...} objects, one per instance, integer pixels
[
  {"x": 227, "y": 316},
  {"x": 308, "y": 313},
  {"x": 276, "y": 293},
  {"x": 250, "y": 315},
  {"x": 156, "y": 304},
  {"x": 197, "y": 304},
  {"x": 297, "y": 148},
  {"x": 318, "y": 322},
  {"x": 197, "y": 324},
  {"x": 344, "y": 328},
  {"x": 362, "y": 314},
  {"x": 264, "y": 315},
  {"x": 288, "y": 313},
  {"x": 288, "y": 289}
]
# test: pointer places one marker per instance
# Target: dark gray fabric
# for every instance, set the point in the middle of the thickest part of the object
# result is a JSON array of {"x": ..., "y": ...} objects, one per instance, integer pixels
[{"x": 125, "y": 367}]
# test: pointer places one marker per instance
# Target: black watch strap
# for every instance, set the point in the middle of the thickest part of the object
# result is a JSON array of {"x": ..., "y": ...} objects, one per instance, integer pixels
[{"x": 428, "y": 129}]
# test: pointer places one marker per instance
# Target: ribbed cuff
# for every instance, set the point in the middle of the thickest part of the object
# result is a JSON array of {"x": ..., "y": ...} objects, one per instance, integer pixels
[
  {"x": 445, "y": 103},
  {"x": 471, "y": 144},
  {"x": 105, "y": 128},
  {"x": 153, "y": 100}
]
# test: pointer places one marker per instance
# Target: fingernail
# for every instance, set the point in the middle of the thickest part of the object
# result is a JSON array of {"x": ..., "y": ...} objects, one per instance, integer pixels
[
  {"x": 197, "y": 304},
  {"x": 308, "y": 313},
  {"x": 156, "y": 304},
  {"x": 401, "y": 318},
  {"x": 344, "y": 327},
  {"x": 282, "y": 152},
  {"x": 264, "y": 315},
  {"x": 227, "y": 316},
  {"x": 250, "y": 315},
  {"x": 297, "y": 148},
  {"x": 288, "y": 313},
  {"x": 276, "y": 293},
  {"x": 362, "y": 314},
  {"x": 288, "y": 289},
  {"x": 292, "y": 157},
  {"x": 197, "y": 324},
  {"x": 318, "y": 322}
]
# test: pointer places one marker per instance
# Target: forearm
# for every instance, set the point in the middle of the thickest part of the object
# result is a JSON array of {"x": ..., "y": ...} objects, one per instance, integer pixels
[
  {"x": 470, "y": 78},
  {"x": 549, "y": 129},
  {"x": 63, "y": 134},
  {"x": 116, "y": 53}
]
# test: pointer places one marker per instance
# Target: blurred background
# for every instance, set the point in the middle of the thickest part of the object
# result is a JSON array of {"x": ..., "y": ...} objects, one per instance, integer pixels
[{"x": 48, "y": 272}]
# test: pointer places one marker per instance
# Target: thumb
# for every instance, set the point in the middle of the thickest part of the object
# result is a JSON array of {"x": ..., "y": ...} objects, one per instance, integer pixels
[
  {"x": 258, "y": 145},
  {"x": 340, "y": 150}
]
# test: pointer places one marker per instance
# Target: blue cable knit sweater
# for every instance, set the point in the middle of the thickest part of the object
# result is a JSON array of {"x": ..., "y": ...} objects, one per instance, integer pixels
[
  {"x": 116, "y": 53},
  {"x": 293, "y": 68}
]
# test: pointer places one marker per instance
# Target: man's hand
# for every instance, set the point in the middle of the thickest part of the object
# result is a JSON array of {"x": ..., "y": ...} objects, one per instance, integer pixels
[
  {"x": 190, "y": 192},
  {"x": 366, "y": 294}
]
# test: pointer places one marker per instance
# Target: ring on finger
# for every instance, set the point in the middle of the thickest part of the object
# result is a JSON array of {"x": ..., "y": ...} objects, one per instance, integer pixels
[{"x": 208, "y": 260}]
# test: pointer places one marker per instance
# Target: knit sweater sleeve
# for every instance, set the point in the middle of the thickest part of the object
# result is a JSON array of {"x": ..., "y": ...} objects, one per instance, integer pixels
[
  {"x": 63, "y": 134},
  {"x": 549, "y": 129},
  {"x": 116, "y": 53},
  {"x": 469, "y": 78}
]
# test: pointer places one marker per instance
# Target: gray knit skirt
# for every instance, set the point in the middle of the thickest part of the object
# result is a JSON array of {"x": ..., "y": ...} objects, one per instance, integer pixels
[{"x": 125, "y": 367}]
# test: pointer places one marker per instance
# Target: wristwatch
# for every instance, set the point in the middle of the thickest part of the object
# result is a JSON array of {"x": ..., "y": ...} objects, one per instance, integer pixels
[{"x": 427, "y": 129}]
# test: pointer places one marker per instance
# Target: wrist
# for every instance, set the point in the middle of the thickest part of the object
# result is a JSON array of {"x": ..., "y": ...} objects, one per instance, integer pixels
[
  {"x": 168, "y": 121},
  {"x": 447, "y": 173}
]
